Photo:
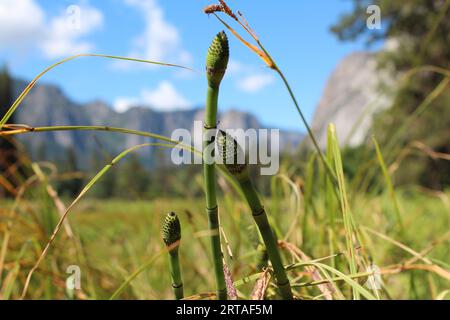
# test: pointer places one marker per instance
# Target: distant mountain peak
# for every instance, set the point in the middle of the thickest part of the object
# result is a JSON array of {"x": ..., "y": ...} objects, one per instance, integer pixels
[{"x": 47, "y": 105}]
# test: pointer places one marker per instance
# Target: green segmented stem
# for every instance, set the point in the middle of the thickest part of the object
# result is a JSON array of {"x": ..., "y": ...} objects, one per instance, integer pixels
[
  {"x": 240, "y": 172},
  {"x": 171, "y": 237},
  {"x": 260, "y": 217},
  {"x": 216, "y": 64},
  {"x": 175, "y": 272}
]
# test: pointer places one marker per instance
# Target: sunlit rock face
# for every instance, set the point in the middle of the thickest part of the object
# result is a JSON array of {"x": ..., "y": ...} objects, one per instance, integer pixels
[{"x": 351, "y": 97}]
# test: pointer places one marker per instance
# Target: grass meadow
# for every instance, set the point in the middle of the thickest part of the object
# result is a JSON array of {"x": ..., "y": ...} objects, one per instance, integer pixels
[
  {"x": 340, "y": 236},
  {"x": 110, "y": 240}
]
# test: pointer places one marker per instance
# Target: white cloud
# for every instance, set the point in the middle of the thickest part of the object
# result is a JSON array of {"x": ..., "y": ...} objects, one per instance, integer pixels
[
  {"x": 160, "y": 40},
  {"x": 163, "y": 98},
  {"x": 25, "y": 24},
  {"x": 255, "y": 82},
  {"x": 235, "y": 67},
  {"x": 122, "y": 104},
  {"x": 65, "y": 32},
  {"x": 19, "y": 21},
  {"x": 249, "y": 78}
]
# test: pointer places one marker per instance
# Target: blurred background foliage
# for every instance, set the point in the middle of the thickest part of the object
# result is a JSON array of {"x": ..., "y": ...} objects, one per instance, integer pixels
[{"x": 419, "y": 31}]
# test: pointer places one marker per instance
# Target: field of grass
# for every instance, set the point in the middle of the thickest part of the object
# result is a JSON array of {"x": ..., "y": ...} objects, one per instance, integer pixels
[
  {"x": 340, "y": 235},
  {"x": 114, "y": 238}
]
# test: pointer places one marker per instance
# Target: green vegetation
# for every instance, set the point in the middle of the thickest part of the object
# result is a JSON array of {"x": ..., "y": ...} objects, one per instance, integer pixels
[
  {"x": 216, "y": 64},
  {"x": 172, "y": 236},
  {"x": 229, "y": 152},
  {"x": 417, "y": 122},
  {"x": 348, "y": 224},
  {"x": 114, "y": 238}
]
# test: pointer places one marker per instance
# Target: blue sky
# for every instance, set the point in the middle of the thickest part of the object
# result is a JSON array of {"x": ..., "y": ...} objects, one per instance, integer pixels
[{"x": 35, "y": 33}]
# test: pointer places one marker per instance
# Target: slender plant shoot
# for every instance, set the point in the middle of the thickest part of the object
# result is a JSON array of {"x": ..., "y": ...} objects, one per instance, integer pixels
[
  {"x": 172, "y": 236},
  {"x": 230, "y": 151},
  {"x": 216, "y": 64}
]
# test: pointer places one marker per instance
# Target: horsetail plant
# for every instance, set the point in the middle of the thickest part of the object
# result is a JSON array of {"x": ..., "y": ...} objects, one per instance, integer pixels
[
  {"x": 261, "y": 51},
  {"x": 230, "y": 152},
  {"x": 171, "y": 237},
  {"x": 216, "y": 64}
]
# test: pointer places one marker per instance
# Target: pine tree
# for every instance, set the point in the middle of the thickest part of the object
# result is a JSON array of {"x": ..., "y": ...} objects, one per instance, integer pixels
[
  {"x": 72, "y": 186},
  {"x": 9, "y": 167},
  {"x": 133, "y": 179},
  {"x": 107, "y": 185}
]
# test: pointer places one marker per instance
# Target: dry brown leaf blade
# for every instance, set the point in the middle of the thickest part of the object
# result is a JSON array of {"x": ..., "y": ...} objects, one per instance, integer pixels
[
  {"x": 252, "y": 47},
  {"x": 231, "y": 290},
  {"x": 261, "y": 285}
]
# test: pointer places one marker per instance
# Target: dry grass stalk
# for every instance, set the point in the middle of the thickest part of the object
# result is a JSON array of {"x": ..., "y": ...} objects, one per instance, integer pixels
[
  {"x": 231, "y": 290},
  {"x": 326, "y": 288},
  {"x": 261, "y": 285}
]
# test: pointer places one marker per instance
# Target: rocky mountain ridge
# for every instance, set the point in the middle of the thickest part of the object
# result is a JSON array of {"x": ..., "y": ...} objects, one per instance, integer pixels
[{"x": 47, "y": 105}]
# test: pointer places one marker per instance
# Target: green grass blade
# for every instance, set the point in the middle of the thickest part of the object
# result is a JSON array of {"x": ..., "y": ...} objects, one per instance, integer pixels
[
  {"x": 355, "y": 285},
  {"x": 346, "y": 278},
  {"x": 308, "y": 194},
  {"x": 135, "y": 274},
  {"x": 443, "y": 295},
  {"x": 390, "y": 185},
  {"x": 345, "y": 208}
]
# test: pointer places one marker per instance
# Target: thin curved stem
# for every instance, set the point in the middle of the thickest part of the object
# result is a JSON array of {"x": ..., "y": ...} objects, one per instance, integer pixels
[
  {"x": 135, "y": 274},
  {"x": 13, "y": 129},
  {"x": 20, "y": 129}
]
